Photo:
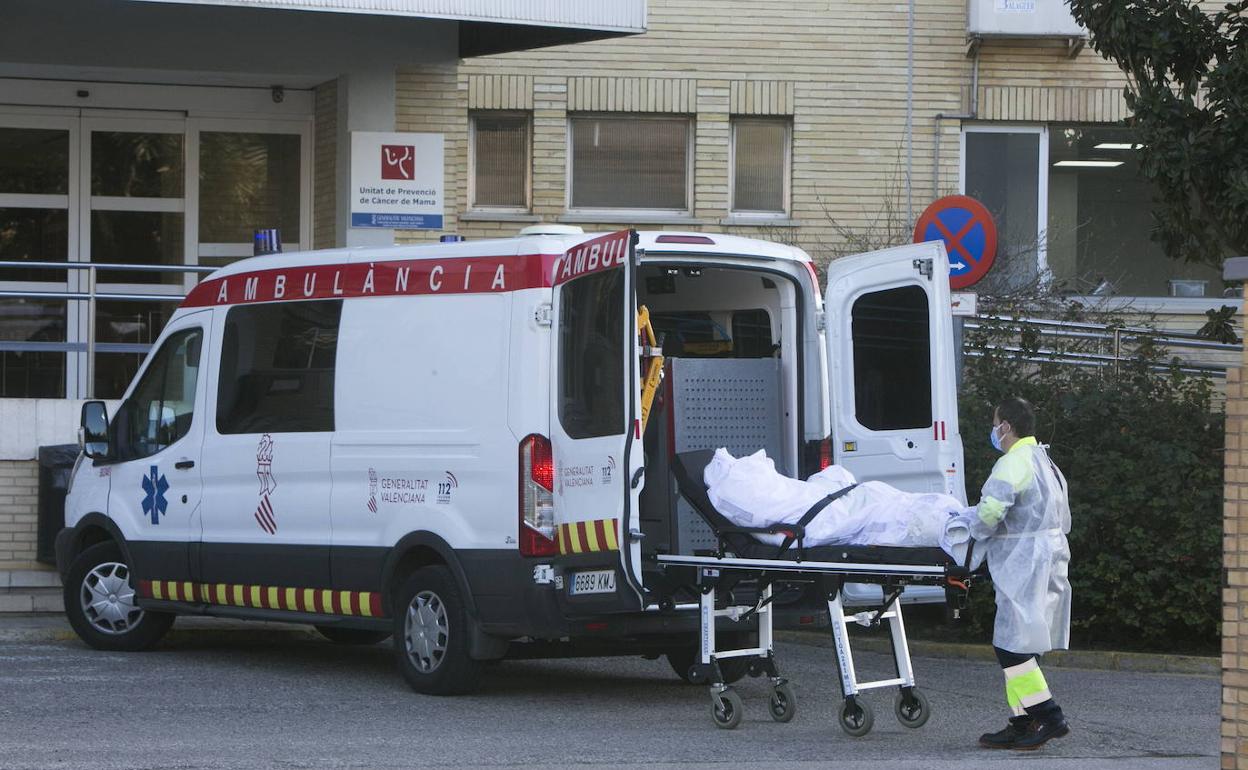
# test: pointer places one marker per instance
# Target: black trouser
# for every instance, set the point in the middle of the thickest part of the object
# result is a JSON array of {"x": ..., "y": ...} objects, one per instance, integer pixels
[{"x": 1025, "y": 688}]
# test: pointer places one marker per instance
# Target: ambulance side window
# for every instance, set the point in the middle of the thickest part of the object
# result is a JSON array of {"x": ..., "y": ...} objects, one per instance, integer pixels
[
  {"x": 591, "y": 355},
  {"x": 892, "y": 359},
  {"x": 277, "y": 368}
]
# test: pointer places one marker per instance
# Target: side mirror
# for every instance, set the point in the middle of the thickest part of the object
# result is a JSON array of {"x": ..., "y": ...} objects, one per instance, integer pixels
[{"x": 93, "y": 431}]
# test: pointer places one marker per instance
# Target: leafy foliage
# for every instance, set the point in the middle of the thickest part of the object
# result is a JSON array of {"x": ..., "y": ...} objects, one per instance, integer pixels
[
  {"x": 1187, "y": 73},
  {"x": 1141, "y": 447}
]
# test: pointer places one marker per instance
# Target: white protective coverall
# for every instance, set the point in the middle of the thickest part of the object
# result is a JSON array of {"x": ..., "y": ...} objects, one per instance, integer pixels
[{"x": 1022, "y": 521}]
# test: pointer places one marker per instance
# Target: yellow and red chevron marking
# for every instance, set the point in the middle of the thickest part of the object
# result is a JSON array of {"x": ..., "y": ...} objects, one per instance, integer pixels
[
  {"x": 588, "y": 536},
  {"x": 365, "y": 604}
]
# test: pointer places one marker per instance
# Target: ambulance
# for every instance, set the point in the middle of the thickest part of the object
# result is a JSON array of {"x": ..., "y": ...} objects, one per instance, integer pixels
[{"x": 466, "y": 446}]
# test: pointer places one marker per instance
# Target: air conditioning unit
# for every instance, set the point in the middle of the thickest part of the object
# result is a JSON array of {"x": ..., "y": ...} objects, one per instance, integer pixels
[{"x": 986, "y": 19}]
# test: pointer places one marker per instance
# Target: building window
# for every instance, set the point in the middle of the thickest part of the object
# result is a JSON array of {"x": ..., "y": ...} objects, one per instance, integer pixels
[
  {"x": 1100, "y": 219},
  {"x": 277, "y": 368},
  {"x": 500, "y": 161},
  {"x": 760, "y": 166},
  {"x": 641, "y": 163},
  {"x": 1073, "y": 210}
]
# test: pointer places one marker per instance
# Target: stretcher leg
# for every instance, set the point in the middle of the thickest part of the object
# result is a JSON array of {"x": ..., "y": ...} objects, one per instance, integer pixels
[{"x": 910, "y": 705}]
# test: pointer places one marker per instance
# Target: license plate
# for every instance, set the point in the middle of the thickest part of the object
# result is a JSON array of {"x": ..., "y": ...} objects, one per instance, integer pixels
[{"x": 600, "y": 581}]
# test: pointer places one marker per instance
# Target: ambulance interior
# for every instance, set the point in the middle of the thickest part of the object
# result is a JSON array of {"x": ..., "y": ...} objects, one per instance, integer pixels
[{"x": 730, "y": 379}]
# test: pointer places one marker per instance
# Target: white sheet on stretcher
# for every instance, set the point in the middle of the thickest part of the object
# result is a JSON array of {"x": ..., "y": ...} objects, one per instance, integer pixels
[{"x": 751, "y": 493}]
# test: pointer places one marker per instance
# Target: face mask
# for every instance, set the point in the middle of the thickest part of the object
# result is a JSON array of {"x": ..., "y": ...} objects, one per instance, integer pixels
[{"x": 996, "y": 441}]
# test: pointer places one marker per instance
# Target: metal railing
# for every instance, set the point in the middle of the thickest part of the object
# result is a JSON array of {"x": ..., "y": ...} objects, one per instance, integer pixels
[
  {"x": 91, "y": 296},
  {"x": 1114, "y": 339}
]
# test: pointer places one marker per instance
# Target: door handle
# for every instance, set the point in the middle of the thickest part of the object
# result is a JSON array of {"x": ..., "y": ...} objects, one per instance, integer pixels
[{"x": 183, "y": 465}]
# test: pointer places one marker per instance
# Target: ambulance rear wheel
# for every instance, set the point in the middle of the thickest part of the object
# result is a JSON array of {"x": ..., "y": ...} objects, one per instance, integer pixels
[
  {"x": 431, "y": 633},
  {"x": 682, "y": 659},
  {"x": 100, "y": 602},
  {"x": 352, "y": 636}
]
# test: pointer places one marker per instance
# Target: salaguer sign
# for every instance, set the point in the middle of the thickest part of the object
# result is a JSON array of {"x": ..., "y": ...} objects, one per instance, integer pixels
[{"x": 396, "y": 180}]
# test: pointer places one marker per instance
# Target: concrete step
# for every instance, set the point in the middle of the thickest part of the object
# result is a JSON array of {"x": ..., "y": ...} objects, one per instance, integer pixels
[
  {"x": 29, "y": 578},
  {"x": 26, "y": 600}
]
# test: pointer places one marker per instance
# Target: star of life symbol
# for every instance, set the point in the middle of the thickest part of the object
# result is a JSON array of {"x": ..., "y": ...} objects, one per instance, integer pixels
[
  {"x": 266, "y": 517},
  {"x": 155, "y": 485},
  {"x": 372, "y": 490}
]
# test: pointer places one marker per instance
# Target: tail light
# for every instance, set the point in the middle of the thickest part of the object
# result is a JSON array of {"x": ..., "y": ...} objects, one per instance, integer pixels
[
  {"x": 825, "y": 453},
  {"x": 537, "y": 499}
]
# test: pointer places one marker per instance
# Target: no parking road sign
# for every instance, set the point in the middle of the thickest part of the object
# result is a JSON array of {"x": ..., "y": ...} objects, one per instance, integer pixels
[{"x": 969, "y": 234}]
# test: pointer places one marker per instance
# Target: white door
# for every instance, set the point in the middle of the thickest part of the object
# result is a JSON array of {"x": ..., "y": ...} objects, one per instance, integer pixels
[
  {"x": 893, "y": 390},
  {"x": 156, "y": 437},
  {"x": 266, "y": 456},
  {"x": 595, "y": 422}
]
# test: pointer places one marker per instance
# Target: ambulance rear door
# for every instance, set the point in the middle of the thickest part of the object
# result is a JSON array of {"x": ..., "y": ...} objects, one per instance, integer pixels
[
  {"x": 595, "y": 426},
  {"x": 889, "y": 336}
]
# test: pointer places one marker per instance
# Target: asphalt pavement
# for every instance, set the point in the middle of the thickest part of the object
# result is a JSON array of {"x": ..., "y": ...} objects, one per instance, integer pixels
[{"x": 222, "y": 701}]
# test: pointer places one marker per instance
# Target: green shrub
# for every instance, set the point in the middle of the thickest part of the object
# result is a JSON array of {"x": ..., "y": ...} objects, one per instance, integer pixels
[{"x": 1142, "y": 450}]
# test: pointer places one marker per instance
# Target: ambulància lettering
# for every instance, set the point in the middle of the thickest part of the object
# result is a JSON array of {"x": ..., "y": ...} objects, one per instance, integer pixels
[{"x": 373, "y": 279}]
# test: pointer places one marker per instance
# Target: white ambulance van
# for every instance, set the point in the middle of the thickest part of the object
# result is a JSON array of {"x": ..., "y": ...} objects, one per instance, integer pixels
[{"x": 445, "y": 442}]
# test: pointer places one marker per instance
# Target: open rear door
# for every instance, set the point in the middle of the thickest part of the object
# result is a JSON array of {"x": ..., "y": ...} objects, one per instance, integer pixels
[
  {"x": 893, "y": 388},
  {"x": 595, "y": 425}
]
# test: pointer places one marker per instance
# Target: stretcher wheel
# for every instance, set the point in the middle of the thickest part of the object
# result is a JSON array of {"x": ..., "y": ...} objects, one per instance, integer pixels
[
  {"x": 727, "y": 710},
  {"x": 912, "y": 707},
  {"x": 856, "y": 718},
  {"x": 782, "y": 704}
]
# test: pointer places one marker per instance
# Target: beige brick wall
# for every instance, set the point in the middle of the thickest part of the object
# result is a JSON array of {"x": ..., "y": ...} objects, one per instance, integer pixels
[
  {"x": 19, "y": 480},
  {"x": 839, "y": 69},
  {"x": 325, "y": 169},
  {"x": 1235, "y": 592}
]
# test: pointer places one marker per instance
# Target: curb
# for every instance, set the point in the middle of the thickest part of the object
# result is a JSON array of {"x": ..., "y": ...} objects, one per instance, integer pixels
[
  {"x": 1140, "y": 662},
  {"x": 48, "y": 629}
]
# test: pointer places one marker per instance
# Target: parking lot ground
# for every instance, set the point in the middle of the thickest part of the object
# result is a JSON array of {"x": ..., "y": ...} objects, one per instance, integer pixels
[{"x": 243, "y": 701}]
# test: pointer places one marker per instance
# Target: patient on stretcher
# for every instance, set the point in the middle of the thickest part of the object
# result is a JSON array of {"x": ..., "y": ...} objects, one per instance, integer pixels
[{"x": 751, "y": 493}]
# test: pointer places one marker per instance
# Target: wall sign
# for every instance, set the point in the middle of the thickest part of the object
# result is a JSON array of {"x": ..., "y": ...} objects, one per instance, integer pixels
[{"x": 396, "y": 180}]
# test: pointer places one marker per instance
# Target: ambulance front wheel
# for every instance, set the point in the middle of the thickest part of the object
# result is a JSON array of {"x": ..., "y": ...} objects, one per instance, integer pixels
[
  {"x": 431, "y": 634},
  {"x": 856, "y": 717},
  {"x": 100, "y": 602}
]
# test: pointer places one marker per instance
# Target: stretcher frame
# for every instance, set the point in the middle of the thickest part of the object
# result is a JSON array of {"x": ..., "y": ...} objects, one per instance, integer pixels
[{"x": 716, "y": 576}]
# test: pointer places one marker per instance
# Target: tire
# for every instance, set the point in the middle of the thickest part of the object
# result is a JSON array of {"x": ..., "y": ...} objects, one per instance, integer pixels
[
  {"x": 100, "y": 603},
  {"x": 728, "y": 710},
  {"x": 782, "y": 704},
  {"x": 682, "y": 659},
  {"x": 352, "y": 636},
  {"x": 431, "y": 632},
  {"x": 912, "y": 708},
  {"x": 856, "y": 717}
]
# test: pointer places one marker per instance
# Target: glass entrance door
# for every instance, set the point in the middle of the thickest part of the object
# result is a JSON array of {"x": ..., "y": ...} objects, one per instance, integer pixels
[
  {"x": 133, "y": 213},
  {"x": 38, "y": 190}
]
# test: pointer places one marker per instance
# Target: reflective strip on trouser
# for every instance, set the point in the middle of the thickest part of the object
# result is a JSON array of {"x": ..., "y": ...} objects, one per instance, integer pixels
[{"x": 1025, "y": 686}]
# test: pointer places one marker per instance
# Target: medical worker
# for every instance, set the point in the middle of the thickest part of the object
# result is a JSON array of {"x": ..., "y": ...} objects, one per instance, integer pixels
[{"x": 1022, "y": 520}]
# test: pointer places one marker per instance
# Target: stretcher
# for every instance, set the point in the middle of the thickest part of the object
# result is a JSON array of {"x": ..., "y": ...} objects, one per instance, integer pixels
[{"x": 741, "y": 561}]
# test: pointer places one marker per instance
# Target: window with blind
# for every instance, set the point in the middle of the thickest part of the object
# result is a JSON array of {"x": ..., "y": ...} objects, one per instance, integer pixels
[
  {"x": 500, "y": 161},
  {"x": 630, "y": 162},
  {"x": 760, "y": 166}
]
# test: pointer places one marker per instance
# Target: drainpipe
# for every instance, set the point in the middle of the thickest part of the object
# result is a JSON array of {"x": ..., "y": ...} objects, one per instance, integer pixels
[
  {"x": 940, "y": 117},
  {"x": 910, "y": 114}
]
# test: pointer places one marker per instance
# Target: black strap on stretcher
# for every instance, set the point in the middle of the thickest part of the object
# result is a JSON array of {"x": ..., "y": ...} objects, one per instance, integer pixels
[{"x": 798, "y": 533}]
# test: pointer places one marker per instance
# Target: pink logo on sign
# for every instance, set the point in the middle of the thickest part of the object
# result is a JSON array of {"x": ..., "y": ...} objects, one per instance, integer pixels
[{"x": 398, "y": 161}]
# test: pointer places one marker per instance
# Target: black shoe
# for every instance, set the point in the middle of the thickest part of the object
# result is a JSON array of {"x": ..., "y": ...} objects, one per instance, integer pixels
[
  {"x": 1005, "y": 739},
  {"x": 1040, "y": 731}
]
